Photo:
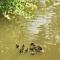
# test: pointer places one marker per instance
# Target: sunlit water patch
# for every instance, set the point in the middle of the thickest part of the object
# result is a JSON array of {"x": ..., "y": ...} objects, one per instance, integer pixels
[{"x": 40, "y": 20}]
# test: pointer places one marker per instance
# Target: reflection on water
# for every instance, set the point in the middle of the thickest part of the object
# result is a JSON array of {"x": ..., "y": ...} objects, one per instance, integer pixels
[{"x": 43, "y": 30}]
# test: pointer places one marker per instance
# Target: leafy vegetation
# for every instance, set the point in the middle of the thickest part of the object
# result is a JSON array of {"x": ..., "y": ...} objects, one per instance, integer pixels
[{"x": 26, "y": 8}]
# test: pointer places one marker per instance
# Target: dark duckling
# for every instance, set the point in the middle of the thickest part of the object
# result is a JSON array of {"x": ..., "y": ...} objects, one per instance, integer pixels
[
  {"x": 22, "y": 48},
  {"x": 32, "y": 51},
  {"x": 17, "y": 46},
  {"x": 38, "y": 49},
  {"x": 32, "y": 44},
  {"x": 26, "y": 50}
]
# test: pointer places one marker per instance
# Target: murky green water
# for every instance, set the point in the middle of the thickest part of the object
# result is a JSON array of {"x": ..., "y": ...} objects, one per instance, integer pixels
[{"x": 43, "y": 30}]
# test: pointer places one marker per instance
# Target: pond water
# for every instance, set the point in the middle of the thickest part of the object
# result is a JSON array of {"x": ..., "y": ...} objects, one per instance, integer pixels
[{"x": 44, "y": 30}]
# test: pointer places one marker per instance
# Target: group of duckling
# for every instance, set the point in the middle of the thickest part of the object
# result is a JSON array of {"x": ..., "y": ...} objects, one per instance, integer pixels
[{"x": 33, "y": 49}]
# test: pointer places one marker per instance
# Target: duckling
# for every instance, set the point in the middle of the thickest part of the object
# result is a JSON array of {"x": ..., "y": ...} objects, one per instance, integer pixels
[
  {"x": 26, "y": 50},
  {"x": 17, "y": 46},
  {"x": 31, "y": 49},
  {"x": 21, "y": 51},
  {"x": 32, "y": 44},
  {"x": 38, "y": 49},
  {"x": 22, "y": 48}
]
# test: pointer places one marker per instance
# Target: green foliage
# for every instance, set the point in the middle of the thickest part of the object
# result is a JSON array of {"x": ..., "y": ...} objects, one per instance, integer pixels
[{"x": 26, "y": 8}]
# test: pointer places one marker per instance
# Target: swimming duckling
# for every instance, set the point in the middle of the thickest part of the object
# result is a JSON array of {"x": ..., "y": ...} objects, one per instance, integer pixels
[
  {"x": 26, "y": 50},
  {"x": 17, "y": 46},
  {"x": 21, "y": 51},
  {"x": 38, "y": 49},
  {"x": 22, "y": 48},
  {"x": 32, "y": 51},
  {"x": 32, "y": 44}
]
